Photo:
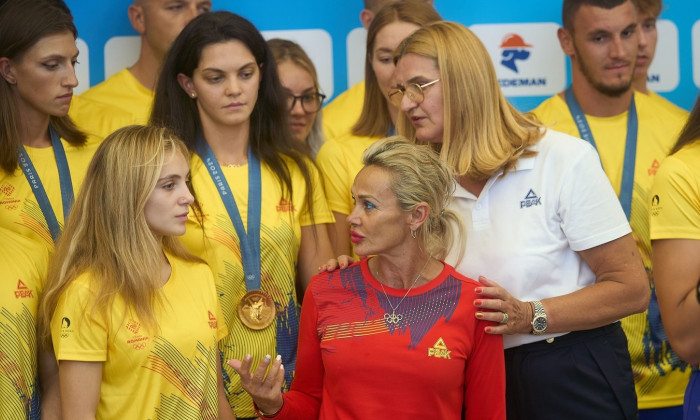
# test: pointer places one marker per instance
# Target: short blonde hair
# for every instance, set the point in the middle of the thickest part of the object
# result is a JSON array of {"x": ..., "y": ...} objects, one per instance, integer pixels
[
  {"x": 418, "y": 175},
  {"x": 483, "y": 133}
]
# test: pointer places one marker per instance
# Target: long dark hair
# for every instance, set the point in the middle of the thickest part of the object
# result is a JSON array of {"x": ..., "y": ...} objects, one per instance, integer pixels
[
  {"x": 691, "y": 130},
  {"x": 270, "y": 135},
  {"x": 23, "y": 23}
]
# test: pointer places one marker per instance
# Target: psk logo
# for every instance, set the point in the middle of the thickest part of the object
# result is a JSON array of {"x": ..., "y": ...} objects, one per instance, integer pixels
[
  {"x": 284, "y": 206},
  {"x": 531, "y": 199},
  {"x": 654, "y": 167},
  {"x": 439, "y": 350},
  {"x": 514, "y": 48},
  {"x": 212, "y": 321},
  {"x": 23, "y": 291}
]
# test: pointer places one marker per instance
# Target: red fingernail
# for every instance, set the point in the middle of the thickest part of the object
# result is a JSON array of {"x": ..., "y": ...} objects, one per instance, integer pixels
[
  {"x": 478, "y": 290},
  {"x": 479, "y": 315},
  {"x": 487, "y": 329},
  {"x": 477, "y": 302}
]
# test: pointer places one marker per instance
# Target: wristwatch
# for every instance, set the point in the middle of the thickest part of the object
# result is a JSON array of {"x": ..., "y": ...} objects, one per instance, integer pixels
[{"x": 539, "y": 319}]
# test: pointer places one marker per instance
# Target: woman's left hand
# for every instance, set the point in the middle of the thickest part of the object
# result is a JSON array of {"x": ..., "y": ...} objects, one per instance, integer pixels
[
  {"x": 501, "y": 306},
  {"x": 266, "y": 390}
]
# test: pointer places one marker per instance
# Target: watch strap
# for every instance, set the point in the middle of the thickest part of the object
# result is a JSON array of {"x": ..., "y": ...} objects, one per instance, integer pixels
[{"x": 538, "y": 312}]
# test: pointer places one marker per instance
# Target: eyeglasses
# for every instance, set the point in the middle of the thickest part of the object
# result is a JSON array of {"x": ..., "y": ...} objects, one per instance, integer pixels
[
  {"x": 310, "y": 102},
  {"x": 414, "y": 91}
]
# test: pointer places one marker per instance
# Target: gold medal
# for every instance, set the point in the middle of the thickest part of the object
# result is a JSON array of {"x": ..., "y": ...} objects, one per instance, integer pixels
[{"x": 256, "y": 310}]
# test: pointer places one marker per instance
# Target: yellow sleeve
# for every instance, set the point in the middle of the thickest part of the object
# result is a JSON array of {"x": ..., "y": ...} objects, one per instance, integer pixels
[
  {"x": 78, "y": 332},
  {"x": 675, "y": 197},
  {"x": 335, "y": 174},
  {"x": 322, "y": 212}
]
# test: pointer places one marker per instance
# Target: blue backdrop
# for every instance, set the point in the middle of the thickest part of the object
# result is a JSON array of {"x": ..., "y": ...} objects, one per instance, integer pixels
[{"x": 334, "y": 24}]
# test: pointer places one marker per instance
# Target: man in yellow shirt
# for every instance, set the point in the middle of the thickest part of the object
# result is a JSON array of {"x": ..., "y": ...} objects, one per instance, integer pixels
[
  {"x": 158, "y": 22},
  {"x": 633, "y": 134},
  {"x": 648, "y": 12}
]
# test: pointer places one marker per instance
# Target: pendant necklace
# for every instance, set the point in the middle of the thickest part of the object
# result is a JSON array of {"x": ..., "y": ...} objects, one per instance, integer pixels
[
  {"x": 232, "y": 165},
  {"x": 394, "y": 319}
]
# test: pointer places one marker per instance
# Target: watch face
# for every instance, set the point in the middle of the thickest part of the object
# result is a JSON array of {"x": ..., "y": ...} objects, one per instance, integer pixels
[{"x": 539, "y": 323}]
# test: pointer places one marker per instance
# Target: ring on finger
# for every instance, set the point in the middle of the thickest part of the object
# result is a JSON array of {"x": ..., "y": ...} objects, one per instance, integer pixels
[{"x": 505, "y": 318}]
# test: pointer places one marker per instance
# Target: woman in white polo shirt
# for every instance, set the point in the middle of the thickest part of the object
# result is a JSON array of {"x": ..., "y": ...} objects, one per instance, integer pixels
[{"x": 546, "y": 235}]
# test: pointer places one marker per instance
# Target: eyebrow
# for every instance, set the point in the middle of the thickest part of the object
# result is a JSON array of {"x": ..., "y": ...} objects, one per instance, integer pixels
[
  {"x": 214, "y": 69},
  {"x": 172, "y": 177},
  {"x": 369, "y": 196},
  {"x": 59, "y": 56},
  {"x": 303, "y": 92}
]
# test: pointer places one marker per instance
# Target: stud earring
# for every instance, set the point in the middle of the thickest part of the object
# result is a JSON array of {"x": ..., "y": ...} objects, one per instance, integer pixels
[{"x": 193, "y": 95}]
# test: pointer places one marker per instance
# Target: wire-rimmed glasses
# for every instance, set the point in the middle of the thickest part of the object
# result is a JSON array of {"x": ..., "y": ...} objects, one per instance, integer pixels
[{"x": 413, "y": 90}]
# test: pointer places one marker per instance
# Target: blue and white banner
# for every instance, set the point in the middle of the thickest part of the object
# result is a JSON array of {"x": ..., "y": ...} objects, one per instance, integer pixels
[{"x": 520, "y": 35}]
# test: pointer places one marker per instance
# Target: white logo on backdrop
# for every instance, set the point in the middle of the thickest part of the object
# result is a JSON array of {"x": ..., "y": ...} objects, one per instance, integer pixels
[
  {"x": 82, "y": 70},
  {"x": 663, "y": 74},
  {"x": 356, "y": 45},
  {"x": 527, "y": 57},
  {"x": 695, "y": 36},
  {"x": 123, "y": 51}
]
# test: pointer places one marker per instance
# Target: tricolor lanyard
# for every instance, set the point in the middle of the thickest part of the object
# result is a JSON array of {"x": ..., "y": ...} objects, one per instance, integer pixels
[
  {"x": 250, "y": 241},
  {"x": 627, "y": 185},
  {"x": 64, "y": 179}
]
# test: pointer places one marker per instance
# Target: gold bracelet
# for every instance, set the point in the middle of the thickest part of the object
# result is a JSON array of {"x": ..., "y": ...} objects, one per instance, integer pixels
[{"x": 270, "y": 416}]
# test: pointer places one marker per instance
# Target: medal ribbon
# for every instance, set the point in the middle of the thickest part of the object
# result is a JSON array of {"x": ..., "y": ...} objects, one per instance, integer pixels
[
  {"x": 584, "y": 130},
  {"x": 64, "y": 180},
  {"x": 250, "y": 241}
]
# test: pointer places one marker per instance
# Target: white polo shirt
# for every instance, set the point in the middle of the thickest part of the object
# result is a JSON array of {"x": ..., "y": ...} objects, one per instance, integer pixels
[{"x": 524, "y": 229}]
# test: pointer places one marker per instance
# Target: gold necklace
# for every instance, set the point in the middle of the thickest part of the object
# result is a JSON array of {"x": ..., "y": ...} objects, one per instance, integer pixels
[
  {"x": 394, "y": 319},
  {"x": 231, "y": 165}
]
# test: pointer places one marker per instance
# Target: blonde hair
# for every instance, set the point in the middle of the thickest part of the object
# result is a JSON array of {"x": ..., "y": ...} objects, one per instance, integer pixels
[
  {"x": 375, "y": 120},
  {"x": 285, "y": 50},
  {"x": 483, "y": 133},
  {"x": 418, "y": 175},
  {"x": 107, "y": 234}
]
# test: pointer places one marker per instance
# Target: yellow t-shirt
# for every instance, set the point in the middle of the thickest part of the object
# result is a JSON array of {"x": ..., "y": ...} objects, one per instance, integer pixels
[
  {"x": 97, "y": 119},
  {"x": 343, "y": 112},
  {"x": 668, "y": 106},
  {"x": 24, "y": 268},
  {"x": 339, "y": 161},
  {"x": 123, "y": 91},
  {"x": 19, "y": 211},
  {"x": 280, "y": 238},
  {"x": 675, "y": 196},
  {"x": 660, "y": 376},
  {"x": 170, "y": 374}
]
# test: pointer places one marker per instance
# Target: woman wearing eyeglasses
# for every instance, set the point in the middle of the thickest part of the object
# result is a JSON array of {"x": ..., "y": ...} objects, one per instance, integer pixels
[
  {"x": 546, "y": 235},
  {"x": 300, "y": 85},
  {"x": 340, "y": 158}
]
